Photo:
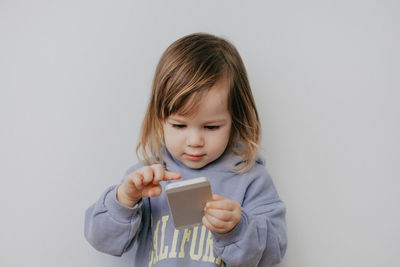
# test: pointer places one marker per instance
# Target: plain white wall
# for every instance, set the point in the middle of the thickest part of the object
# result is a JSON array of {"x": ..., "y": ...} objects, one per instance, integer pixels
[{"x": 74, "y": 82}]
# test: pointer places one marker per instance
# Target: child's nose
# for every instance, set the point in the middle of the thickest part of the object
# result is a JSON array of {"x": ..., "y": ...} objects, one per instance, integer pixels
[{"x": 195, "y": 139}]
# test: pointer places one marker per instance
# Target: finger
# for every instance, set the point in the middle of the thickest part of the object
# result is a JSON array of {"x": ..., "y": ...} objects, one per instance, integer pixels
[
  {"x": 147, "y": 174},
  {"x": 207, "y": 224},
  {"x": 215, "y": 221},
  {"x": 158, "y": 171},
  {"x": 216, "y": 224},
  {"x": 224, "y": 204},
  {"x": 219, "y": 214},
  {"x": 171, "y": 176},
  {"x": 217, "y": 197},
  {"x": 138, "y": 181},
  {"x": 153, "y": 191},
  {"x": 211, "y": 227}
]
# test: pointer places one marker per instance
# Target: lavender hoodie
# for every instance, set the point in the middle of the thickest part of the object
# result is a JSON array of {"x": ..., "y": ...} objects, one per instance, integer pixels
[{"x": 259, "y": 239}]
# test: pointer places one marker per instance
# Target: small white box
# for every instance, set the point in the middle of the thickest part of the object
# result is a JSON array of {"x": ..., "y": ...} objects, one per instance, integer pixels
[{"x": 187, "y": 200}]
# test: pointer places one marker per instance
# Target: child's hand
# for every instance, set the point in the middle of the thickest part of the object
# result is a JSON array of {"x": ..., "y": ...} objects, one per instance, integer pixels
[
  {"x": 143, "y": 182},
  {"x": 221, "y": 214}
]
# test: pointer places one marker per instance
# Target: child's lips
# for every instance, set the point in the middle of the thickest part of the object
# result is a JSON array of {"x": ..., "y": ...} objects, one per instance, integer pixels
[{"x": 194, "y": 157}]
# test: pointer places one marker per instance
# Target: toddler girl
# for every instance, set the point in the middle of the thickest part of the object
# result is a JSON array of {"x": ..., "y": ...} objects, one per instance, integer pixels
[{"x": 201, "y": 121}]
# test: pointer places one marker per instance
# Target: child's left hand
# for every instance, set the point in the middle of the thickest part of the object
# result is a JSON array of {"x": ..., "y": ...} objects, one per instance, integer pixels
[{"x": 221, "y": 214}]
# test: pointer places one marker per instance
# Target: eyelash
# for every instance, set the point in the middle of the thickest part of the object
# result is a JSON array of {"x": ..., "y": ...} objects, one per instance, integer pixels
[
  {"x": 179, "y": 126},
  {"x": 208, "y": 127},
  {"x": 212, "y": 127}
]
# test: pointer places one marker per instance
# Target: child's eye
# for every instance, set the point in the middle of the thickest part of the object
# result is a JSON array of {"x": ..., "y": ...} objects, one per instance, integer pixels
[
  {"x": 179, "y": 126},
  {"x": 211, "y": 127}
]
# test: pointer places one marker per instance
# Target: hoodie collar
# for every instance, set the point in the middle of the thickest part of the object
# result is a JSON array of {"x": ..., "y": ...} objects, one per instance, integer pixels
[{"x": 225, "y": 162}]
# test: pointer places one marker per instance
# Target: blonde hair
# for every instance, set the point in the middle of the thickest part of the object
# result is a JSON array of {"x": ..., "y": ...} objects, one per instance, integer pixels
[{"x": 186, "y": 69}]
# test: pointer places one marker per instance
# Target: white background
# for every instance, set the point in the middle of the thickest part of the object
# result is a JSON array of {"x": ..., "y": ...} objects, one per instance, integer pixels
[{"x": 74, "y": 82}]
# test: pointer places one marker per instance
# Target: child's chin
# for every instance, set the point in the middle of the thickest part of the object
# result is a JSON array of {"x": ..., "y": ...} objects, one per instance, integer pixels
[{"x": 195, "y": 165}]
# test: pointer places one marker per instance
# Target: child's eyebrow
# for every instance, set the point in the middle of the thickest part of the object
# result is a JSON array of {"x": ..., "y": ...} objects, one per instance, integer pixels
[
  {"x": 177, "y": 119},
  {"x": 217, "y": 121}
]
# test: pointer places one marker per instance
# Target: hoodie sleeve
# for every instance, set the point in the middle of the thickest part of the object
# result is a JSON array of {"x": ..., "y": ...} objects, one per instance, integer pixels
[
  {"x": 259, "y": 239},
  {"x": 109, "y": 226}
]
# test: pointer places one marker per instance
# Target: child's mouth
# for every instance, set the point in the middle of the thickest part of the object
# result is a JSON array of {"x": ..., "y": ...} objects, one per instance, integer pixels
[{"x": 194, "y": 157}]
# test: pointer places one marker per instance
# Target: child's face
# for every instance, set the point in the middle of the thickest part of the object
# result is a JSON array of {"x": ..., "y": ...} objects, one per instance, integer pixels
[{"x": 202, "y": 137}]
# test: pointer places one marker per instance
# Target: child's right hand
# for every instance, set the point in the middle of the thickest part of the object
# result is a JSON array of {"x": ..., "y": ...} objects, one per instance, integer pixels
[{"x": 144, "y": 182}]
